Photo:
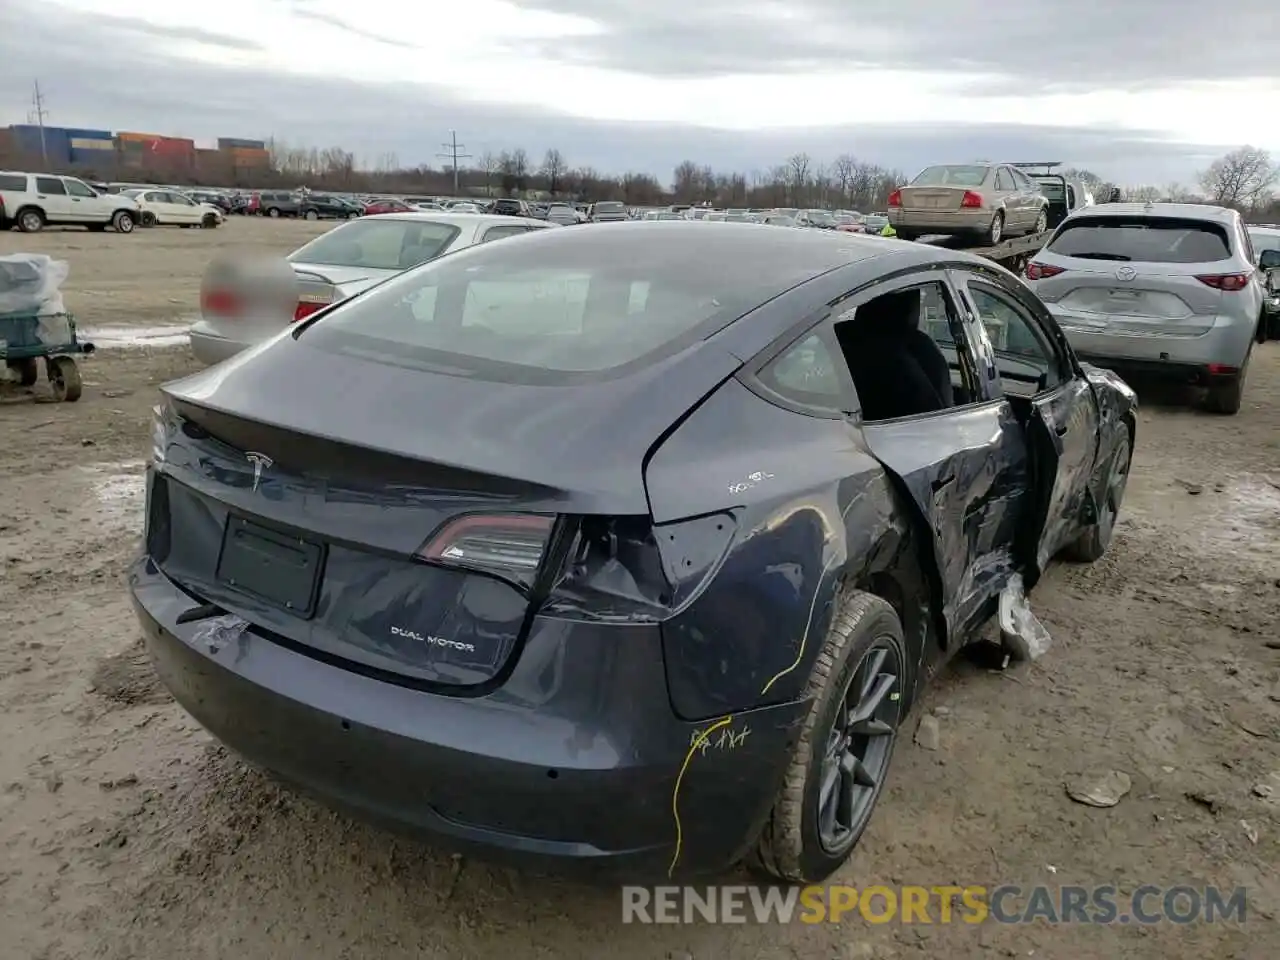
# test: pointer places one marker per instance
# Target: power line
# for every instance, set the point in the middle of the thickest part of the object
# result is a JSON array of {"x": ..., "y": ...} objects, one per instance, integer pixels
[{"x": 453, "y": 155}]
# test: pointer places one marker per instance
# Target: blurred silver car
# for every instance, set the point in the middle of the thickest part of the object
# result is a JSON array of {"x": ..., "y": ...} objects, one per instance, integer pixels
[
  {"x": 346, "y": 260},
  {"x": 1164, "y": 288},
  {"x": 989, "y": 201}
]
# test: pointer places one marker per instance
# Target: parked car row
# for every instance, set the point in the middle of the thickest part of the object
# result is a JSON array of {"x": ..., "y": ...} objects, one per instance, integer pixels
[{"x": 32, "y": 201}]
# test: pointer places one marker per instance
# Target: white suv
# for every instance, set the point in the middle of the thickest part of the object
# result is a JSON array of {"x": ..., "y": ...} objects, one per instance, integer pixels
[{"x": 35, "y": 200}]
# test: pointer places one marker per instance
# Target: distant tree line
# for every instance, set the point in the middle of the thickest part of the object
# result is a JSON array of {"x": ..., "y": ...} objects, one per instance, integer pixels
[{"x": 1245, "y": 178}]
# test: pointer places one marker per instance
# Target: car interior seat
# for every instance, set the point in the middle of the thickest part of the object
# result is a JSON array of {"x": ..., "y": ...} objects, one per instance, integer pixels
[{"x": 895, "y": 371}]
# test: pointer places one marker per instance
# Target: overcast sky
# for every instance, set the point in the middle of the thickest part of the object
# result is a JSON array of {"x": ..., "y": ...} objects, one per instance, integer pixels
[{"x": 1142, "y": 91}]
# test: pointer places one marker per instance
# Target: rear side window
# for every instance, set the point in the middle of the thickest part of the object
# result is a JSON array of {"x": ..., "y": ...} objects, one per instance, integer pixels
[
  {"x": 559, "y": 310},
  {"x": 13, "y": 181},
  {"x": 1143, "y": 239},
  {"x": 951, "y": 175},
  {"x": 378, "y": 244}
]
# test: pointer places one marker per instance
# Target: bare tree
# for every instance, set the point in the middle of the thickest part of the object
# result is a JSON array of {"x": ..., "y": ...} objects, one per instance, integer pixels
[
  {"x": 490, "y": 166},
  {"x": 798, "y": 176},
  {"x": 553, "y": 168},
  {"x": 1243, "y": 177},
  {"x": 1144, "y": 193},
  {"x": 842, "y": 171},
  {"x": 685, "y": 181}
]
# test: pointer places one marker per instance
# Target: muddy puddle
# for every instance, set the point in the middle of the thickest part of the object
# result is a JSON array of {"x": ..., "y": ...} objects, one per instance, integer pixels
[{"x": 117, "y": 492}]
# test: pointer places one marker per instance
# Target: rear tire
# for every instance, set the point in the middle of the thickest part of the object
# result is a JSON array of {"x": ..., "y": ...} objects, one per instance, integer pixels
[
  {"x": 30, "y": 221},
  {"x": 865, "y": 639},
  {"x": 1042, "y": 223},
  {"x": 273, "y": 213},
  {"x": 210, "y": 221},
  {"x": 312, "y": 215},
  {"x": 1225, "y": 398},
  {"x": 64, "y": 379},
  {"x": 995, "y": 232}
]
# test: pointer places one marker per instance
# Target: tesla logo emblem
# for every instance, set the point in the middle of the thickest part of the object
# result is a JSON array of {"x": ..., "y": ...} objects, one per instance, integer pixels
[
  {"x": 1126, "y": 273},
  {"x": 260, "y": 462}
]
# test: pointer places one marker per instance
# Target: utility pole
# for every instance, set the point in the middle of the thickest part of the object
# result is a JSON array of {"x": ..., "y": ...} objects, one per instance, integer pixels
[
  {"x": 38, "y": 113},
  {"x": 453, "y": 155}
]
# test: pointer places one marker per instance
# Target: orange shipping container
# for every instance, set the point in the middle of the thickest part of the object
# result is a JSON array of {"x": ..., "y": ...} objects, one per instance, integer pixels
[{"x": 139, "y": 137}]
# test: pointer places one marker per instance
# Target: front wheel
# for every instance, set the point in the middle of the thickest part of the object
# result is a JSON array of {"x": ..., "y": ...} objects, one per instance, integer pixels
[
  {"x": 312, "y": 215},
  {"x": 149, "y": 219},
  {"x": 1093, "y": 543},
  {"x": 64, "y": 378},
  {"x": 210, "y": 221},
  {"x": 122, "y": 221},
  {"x": 858, "y": 688},
  {"x": 273, "y": 213}
]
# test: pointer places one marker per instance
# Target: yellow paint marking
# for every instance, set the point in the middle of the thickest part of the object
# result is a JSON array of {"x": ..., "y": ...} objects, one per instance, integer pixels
[{"x": 675, "y": 793}]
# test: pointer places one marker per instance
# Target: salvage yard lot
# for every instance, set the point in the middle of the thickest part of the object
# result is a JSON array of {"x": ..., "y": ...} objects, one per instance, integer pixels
[{"x": 126, "y": 833}]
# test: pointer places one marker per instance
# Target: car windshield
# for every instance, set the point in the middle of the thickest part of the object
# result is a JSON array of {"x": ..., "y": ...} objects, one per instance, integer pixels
[
  {"x": 1142, "y": 239},
  {"x": 951, "y": 175},
  {"x": 538, "y": 312},
  {"x": 389, "y": 244}
]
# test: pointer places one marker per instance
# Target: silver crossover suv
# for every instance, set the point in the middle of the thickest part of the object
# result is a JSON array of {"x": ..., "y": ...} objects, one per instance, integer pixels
[{"x": 1164, "y": 288}]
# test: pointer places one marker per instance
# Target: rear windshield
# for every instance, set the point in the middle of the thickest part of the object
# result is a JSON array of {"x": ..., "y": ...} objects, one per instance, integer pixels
[
  {"x": 555, "y": 309},
  {"x": 951, "y": 175},
  {"x": 1144, "y": 239},
  {"x": 378, "y": 244},
  {"x": 1264, "y": 241}
]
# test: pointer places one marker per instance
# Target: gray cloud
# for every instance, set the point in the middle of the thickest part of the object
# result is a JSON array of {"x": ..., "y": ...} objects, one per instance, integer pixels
[
  {"x": 137, "y": 25},
  {"x": 122, "y": 82},
  {"x": 1039, "y": 44}
]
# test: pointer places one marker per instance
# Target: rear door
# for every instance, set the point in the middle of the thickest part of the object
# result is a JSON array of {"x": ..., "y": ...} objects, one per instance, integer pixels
[
  {"x": 964, "y": 467},
  {"x": 1028, "y": 362},
  {"x": 52, "y": 194}
]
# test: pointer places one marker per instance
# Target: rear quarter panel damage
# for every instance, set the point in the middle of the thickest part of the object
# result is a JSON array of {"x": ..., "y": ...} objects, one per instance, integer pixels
[{"x": 803, "y": 508}]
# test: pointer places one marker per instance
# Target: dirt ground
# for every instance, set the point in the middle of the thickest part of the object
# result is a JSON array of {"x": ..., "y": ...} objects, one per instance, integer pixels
[{"x": 125, "y": 832}]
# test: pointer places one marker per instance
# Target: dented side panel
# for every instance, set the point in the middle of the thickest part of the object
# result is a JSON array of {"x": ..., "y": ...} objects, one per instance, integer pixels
[
  {"x": 967, "y": 474},
  {"x": 1067, "y": 424},
  {"x": 811, "y": 508}
]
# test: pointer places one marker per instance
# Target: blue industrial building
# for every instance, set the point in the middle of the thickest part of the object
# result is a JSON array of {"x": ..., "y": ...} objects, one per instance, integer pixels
[
  {"x": 91, "y": 148},
  {"x": 54, "y": 145}
]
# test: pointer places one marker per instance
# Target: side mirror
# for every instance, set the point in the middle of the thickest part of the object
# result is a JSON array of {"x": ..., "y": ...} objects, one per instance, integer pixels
[{"x": 1269, "y": 260}]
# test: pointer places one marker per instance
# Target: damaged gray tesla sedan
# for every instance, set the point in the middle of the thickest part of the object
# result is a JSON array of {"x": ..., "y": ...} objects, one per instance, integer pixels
[{"x": 623, "y": 546}]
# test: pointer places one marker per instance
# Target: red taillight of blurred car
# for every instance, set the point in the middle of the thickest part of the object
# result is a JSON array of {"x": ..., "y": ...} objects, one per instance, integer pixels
[
  {"x": 1042, "y": 271},
  {"x": 221, "y": 303},
  {"x": 895, "y": 198}
]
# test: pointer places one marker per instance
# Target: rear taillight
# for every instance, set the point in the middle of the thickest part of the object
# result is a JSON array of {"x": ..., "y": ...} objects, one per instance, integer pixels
[
  {"x": 895, "y": 198},
  {"x": 1228, "y": 282},
  {"x": 1042, "y": 271},
  {"x": 971, "y": 200},
  {"x": 507, "y": 545},
  {"x": 221, "y": 303},
  {"x": 309, "y": 303}
]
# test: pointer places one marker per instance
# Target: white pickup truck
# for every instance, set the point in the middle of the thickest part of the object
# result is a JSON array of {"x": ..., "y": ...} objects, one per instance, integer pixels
[{"x": 32, "y": 201}]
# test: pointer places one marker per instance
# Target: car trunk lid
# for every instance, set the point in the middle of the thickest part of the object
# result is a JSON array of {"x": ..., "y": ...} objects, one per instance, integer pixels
[
  {"x": 933, "y": 198},
  {"x": 410, "y": 544}
]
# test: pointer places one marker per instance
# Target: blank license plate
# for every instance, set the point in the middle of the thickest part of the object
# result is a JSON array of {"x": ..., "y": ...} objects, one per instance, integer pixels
[{"x": 275, "y": 567}]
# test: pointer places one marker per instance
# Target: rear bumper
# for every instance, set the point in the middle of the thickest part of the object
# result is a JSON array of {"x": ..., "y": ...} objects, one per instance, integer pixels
[
  {"x": 1224, "y": 343},
  {"x": 940, "y": 221},
  {"x": 574, "y": 762},
  {"x": 210, "y": 347}
]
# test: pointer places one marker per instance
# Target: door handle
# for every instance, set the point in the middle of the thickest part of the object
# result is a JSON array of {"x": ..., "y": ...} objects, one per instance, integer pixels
[{"x": 938, "y": 484}]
